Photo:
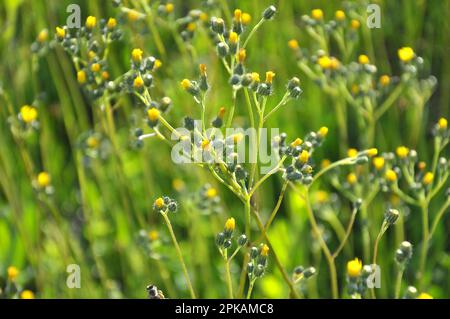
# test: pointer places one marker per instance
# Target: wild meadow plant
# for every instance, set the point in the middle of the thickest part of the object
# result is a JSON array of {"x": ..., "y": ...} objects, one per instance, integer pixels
[{"x": 349, "y": 204}]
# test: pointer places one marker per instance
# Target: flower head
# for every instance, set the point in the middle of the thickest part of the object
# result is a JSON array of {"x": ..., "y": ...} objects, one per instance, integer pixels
[
  {"x": 91, "y": 21},
  {"x": 111, "y": 24},
  {"x": 355, "y": 24},
  {"x": 211, "y": 192},
  {"x": 138, "y": 82},
  {"x": 303, "y": 157},
  {"x": 424, "y": 295},
  {"x": 352, "y": 152},
  {"x": 442, "y": 123},
  {"x": 391, "y": 175},
  {"x": 402, "y": 152},
  {"x": 81, "y": 77},
  {"x": 354, "y": 267},
  {"x": 12, "y": 273},
  {"x": 28, "y": 114},
  {"x": 339, "y": 15},
  {"x": 352, "y": 179},
  {"x": 428, "y": 178},
  {"x": 246, "y": 18},
  {"x": 169, "y": 7},
  {"x": 265, "y": 250},
  {"x": 293, "y": 44},
  {"x": 159, "y": 203},
  {"x": 60, "y": 33},
  {"x": 233, "y": 37},
  {"x": 230, "y": 225},
  {"x": 378, "y": 163},
  {"x": 42, "y": 36},
  {"x": 43, "y": 179},
  {"x": 406, "y": 54},
  {"x": 317, "y": 14},
  {"x": 27, "y": 294},
  {"x": 363, "y": 59},
  {"x": 153, "y": 114},
  {"x": 269, "y": 76},
  {"x": 385, "y": 80},
  {"x": 153, "y": 235},
  {"x": 136, "y": 55},
  {"x": 323, "y": 131}
]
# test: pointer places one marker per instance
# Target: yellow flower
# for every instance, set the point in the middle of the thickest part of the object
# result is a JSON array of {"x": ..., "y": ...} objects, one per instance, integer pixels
[
  {"x": 322, "y": 196},
  {"x": 339, "y": 15},
  {"x": 406, "y": 54},
  {"x": 12, "y": 273},
  {"x": 202, "y": 68},
  {"x": 269, "y": 76},
  {"x": 385, "y": 80},
  {"x": 95, "y": 67},
  {"x": 317, "y": 14},
  {"x": 293, "y": 44},
  {"x": 60, "y": 33},
  {"x": 428, "y": 178},
  {"x": 230, "y": 225},
  {"x": 372, "y": 152},
  {"x": 27, "y": 294},
  {"x": 42, "y": 36},
  {"x": 204, "y": 16},
  {"x": 352, "y": 179},
  {"x": 136, "y": 55},
  {"x": 352, "y": 152},
  {"x": 169, "y": 7},
  {"x": 391, "y": 175},
  {"x": 402, "y": 151},
  {"x": 324, "y": 62},
  {"x": 153, "y": 114},
  {"x": 178, "y": 184},
  {"x": 246, "y": 18},
  {"x": 442, "y": 123},
  {"x": 111, "y": 24},
  {"x": 298, "y": 141},
  {"x": 105, "y": 75},
  {"x": 159, "y": 203},
  {"x": 265, "y": 250},
  {"x": 233, "y": 38},
  {"x": 205, "y": 144},
  {"x": 334, "y": 63},
  {"x": 378, "y": 162},
  {"x": 186, "y": 84},
  {"x": 325, "y": 163},
  {"x": 241, "y": 55},
  {"x": 303, "y": 157},
  {"x": 323, "y": 131},
  {"x": 237, "y": 15},
  {"x": 424, "y": 295},
  {"x": 153, "y": 235},
  {"x": 28, "y": 114},
  {"x": 157, "y": 65},
  {"x": 92, "y": 142},
  {"x": 355, "y": 24},
  {"x": 191, "y": 27},
  {"x": 238, "y": 137},
  {"x": 363, "y": 59},
  {"x": 91, "y": 55},
  {"x": 255, "y": 77},
  {"x": 81, "y": 77},
  {"x": 91, "y": 21},
  {"x": 421, "y": 165},
  {"x": 354, "y": 267},
  {"x": 43, "y": 179},
  {"x": 211, "y": 192},
  {"x": 133, "y": 15},
  {"x": 138, "y": 82}
]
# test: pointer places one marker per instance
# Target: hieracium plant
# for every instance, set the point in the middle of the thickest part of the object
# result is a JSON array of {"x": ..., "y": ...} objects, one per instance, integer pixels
[{"x": 351, "y": 205}]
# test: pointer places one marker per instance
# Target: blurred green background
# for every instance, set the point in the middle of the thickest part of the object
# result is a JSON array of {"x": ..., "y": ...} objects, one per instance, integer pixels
[{"x": 95, "y": 214}]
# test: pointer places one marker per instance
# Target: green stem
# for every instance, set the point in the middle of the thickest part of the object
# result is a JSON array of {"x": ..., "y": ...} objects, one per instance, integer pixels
[
  {"x": 228, "y": 275},
  {"x": 398, "y": 282},
  {"x": 180, "y": 256}
]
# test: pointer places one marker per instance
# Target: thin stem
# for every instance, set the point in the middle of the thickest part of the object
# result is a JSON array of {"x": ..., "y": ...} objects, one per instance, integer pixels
[
  {"x": 438, "y": 217},
  {"x": 250, "y": 288},
  {"x": 425, "y": 238},
  {"x": 228, "y": 274},
  {"x": 256, "y": 27},
  {"x": 180, "y": 256},
  {"x": 347, "y": 233},
  {"x": 375, "y": 250},
  {"x": 398, "y": 282}
]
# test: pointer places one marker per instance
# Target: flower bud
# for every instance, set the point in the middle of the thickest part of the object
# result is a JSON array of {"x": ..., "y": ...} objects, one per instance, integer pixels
[
  {"x": 269, "y": 12},
  {"x": 242, "y": 240},
  {"x": 391, "y": 216}
]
